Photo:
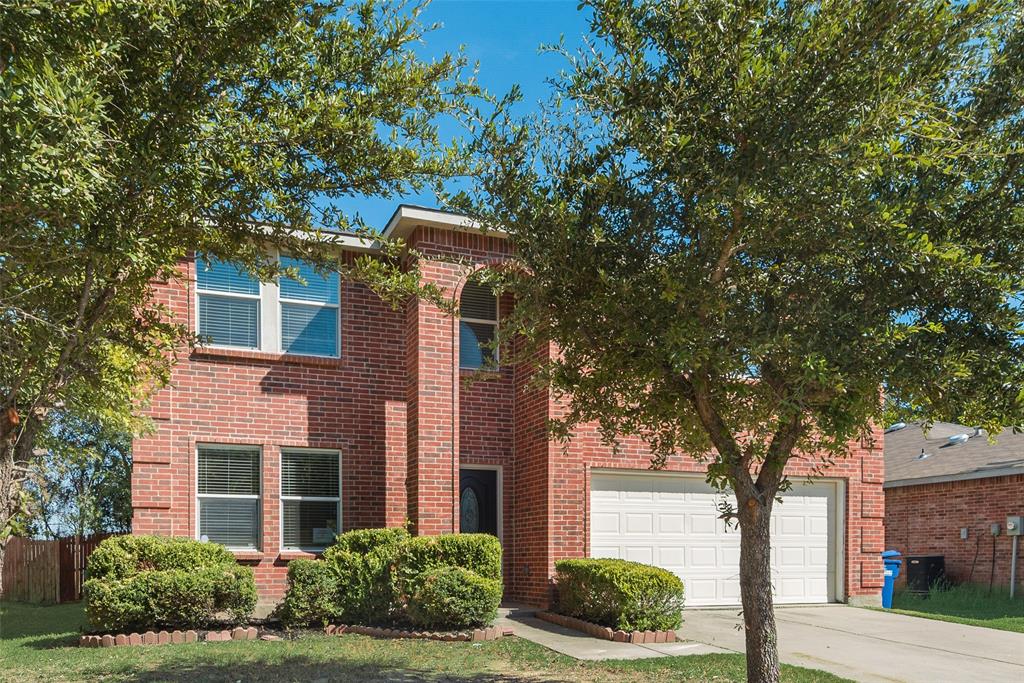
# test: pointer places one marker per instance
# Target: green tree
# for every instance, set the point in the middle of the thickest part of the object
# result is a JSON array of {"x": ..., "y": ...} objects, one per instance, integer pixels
[
  {"x": 739, "y": 221},
  {"x": 135, "y": 132},
  {"x": 82, "y": 484}
]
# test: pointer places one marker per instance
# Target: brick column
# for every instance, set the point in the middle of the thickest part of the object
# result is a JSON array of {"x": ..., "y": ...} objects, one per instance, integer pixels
[
  {"x": 432, "y": 407},
  {"x": 395, "y": 424}
]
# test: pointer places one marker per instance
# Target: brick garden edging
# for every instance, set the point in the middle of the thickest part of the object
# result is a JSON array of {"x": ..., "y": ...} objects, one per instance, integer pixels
[
  {"x": 475, "y": 636},
  {"x": 606, "y": 633},
  {"x": 167, "y": 637}
]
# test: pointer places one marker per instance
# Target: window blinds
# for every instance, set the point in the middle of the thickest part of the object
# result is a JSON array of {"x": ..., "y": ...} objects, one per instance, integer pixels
[
  {"x": 229, "y": 471},
  {"x": 479, "y": 302}
]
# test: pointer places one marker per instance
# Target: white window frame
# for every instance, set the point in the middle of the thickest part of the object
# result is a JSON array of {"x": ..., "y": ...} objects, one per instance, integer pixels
[
  {"x": 282, "y": 300},
  {"x": 481, "y": 321},
  {"x": 268, "y": 315},
  {"x": 314, "y": 499},
  {"x": 215, "y": 496},
  {"x": 258, "y": 298}
]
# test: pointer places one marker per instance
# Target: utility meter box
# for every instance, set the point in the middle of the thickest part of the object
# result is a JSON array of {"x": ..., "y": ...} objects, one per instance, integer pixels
[{"x": 1014, "y": 524}]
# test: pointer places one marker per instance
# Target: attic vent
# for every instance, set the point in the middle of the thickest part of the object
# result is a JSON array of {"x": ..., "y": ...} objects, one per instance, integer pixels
[
  {"x": 896, "y": 427},
  {"x": 957, "y": 439},
  {"x": 923, "y": 455}
]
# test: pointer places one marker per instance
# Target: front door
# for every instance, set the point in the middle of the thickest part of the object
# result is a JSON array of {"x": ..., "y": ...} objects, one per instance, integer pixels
[{"x": 478, "y": 501}]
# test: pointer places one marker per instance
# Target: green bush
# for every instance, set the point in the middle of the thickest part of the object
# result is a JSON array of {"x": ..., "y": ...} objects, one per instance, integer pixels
[
  {"x": 371, "y": 576},
  {"x": 363, "y": 541},
  {"x": 138, "y": 582},
  {"x": 479, "y": 553},
  {"x": 363, "y": 562},
  {"x": 312, "y": 598},
  {"x": 620, "y": 594},
  {"x": 454, "y": 598},
  {"x": 120, "y": 557}
]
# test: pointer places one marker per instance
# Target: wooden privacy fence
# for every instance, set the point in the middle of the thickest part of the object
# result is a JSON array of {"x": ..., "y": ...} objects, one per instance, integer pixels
[{"x": 47, "y": 571}]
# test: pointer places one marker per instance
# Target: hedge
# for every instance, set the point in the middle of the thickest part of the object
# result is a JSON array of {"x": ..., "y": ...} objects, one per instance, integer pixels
[
  {"x": 620, "y": 594},
  {"x": 377, "y": 575},
  {"x": 120, "y": 557},
  {"x": 137, "y": 582},
  {"x": 363, "y": 563},
  {"x": 312, "y": 598},
  {"x": 454, "y": 598},
  {"x": 479, "y": 553}
]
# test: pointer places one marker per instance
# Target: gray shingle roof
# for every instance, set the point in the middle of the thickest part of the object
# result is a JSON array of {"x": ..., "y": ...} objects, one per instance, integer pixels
[{"x": 977, "y": 458}]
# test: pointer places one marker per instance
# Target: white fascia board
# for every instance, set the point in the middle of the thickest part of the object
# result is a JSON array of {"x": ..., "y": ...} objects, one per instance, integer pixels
[{"x": 406, "y": 218}]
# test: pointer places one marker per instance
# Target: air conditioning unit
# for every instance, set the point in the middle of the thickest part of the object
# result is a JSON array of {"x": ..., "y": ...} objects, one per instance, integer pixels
[{"x": 924, "y": 571}]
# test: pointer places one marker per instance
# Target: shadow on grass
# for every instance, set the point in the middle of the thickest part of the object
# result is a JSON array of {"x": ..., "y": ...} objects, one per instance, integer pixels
[{"x": 304, "y": 669}]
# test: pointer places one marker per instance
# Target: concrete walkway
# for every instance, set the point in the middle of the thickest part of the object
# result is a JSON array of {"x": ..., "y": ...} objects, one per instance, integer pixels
[
  {"x": 581, "y": 646},
  {"x": 859, "y": 644},
  {"x": 870, "y": 645}
]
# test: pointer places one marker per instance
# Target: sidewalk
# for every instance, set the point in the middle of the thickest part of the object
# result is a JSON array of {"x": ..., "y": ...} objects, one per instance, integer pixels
[{"x": 581, "y": 646}]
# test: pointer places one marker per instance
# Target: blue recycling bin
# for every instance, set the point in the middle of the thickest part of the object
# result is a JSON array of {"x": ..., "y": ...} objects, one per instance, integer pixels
[{"x": 891, "y": 560}]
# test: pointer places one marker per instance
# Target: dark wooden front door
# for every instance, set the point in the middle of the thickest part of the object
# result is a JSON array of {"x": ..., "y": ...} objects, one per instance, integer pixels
[{"x": 478, "y": 501}]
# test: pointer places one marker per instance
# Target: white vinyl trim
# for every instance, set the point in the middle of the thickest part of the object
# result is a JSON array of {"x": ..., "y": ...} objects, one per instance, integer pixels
[
  {"x": 316, "y": 499},
  {"x": 200, "y": 496}
]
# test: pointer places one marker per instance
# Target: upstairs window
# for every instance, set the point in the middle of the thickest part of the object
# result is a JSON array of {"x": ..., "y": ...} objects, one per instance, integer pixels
[
  {"x": 310, "y": 498},
  {"x": 229, "y": 305},
  {"x": 229, "y": 495},
  {"x": 309, "y": 312},
  {"x": 478, "y": 326}
]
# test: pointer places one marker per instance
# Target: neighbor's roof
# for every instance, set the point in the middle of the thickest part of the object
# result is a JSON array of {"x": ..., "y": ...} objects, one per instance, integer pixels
[{"x": 975, "y": 458}]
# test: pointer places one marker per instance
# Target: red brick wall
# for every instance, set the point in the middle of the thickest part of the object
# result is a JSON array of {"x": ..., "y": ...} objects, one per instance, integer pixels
[
  {"x": 926, "y": 520},
  {"x": 354, "y": 404},
  {"x": 567, "y": 526},
  {"x": 404, "y": 418}
]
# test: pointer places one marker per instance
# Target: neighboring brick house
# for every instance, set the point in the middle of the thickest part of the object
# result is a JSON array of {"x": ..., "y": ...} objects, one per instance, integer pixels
[
  {"x": 319, "y": 408},
  {"x": 943, "y": 494}
]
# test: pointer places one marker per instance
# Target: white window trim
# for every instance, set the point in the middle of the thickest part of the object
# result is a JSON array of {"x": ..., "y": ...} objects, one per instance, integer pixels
[
  {"x": 482, "y": 321},
  {"x": 236, "y": 496},
  {"x": 259, "y": 298},
  {"x": 313, "y": 304},
  {"x": 268, "y": 315},
  {"x": 314, "y": 499}
]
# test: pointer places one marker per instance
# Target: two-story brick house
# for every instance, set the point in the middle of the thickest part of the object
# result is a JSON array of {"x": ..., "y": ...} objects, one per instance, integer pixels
[{"x": 318, "y": 408}]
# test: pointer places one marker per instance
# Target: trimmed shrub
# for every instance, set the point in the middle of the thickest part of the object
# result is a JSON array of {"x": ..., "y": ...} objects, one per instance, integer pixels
[
  {"x": 120, "y": 557},
  {"x": 454, "y": 598},
  {"x": 313, "y": 597},
  {"x": 479, "y": 553},
  {"x": 363, "y": 562},
  {"x": 620, "y": 594},
  {"x": 137, "y": 582},
  {"x": 363, "y": 541}
]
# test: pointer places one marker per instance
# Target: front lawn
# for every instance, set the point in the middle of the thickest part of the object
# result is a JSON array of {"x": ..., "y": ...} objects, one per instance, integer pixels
[
  {"x": 35, "y": 646},
  {"x": 967, "y": 604}
]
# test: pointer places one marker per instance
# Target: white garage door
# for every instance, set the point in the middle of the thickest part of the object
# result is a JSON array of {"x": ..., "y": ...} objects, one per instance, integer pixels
[{"x": 672, "y": 521}]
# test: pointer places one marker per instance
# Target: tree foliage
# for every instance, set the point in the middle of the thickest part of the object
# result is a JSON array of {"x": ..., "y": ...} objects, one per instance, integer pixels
[
  {"x": 136, "y": 132},
  {"x": 81, "y": 485},
  {"x": 741, "y": 221}
]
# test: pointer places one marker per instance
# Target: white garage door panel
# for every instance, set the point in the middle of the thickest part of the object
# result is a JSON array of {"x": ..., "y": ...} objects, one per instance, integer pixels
[{"x": 672, "y": 521}]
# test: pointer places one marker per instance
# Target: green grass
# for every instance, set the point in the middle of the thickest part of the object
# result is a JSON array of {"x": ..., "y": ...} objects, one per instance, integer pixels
[
  {"x": 36, "y": 644},
  {"x": 966, "y": 604}
]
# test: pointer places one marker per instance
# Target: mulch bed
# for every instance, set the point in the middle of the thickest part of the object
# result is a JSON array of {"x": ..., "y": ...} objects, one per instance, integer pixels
[{"x": 606, "y": 633}]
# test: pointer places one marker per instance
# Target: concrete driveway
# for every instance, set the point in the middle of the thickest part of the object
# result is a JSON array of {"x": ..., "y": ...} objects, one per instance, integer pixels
[{"x": 869, "y": 645}]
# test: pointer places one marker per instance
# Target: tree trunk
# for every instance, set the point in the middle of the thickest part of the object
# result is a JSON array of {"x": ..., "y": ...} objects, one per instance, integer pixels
[{"x": 756, "y": 590}]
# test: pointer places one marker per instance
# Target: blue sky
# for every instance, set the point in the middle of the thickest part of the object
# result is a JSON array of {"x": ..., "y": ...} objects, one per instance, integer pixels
[{"x": 503, "y": 36}]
